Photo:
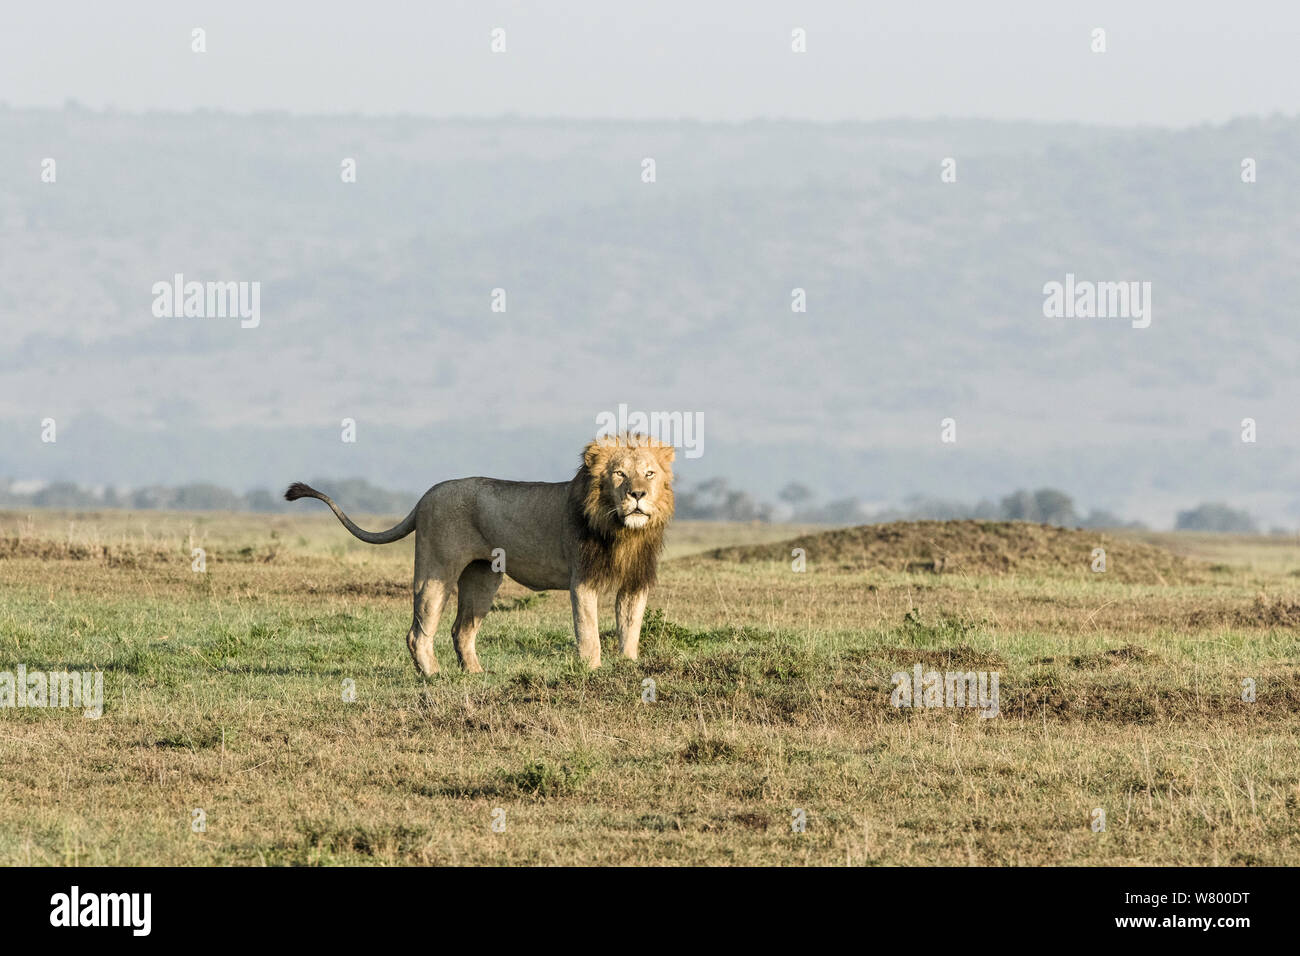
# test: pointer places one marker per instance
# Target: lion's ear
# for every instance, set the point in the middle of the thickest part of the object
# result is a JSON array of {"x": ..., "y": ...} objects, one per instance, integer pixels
[
  {"x": 593, "y": 453},
  {"x": 665, "y": 454}
]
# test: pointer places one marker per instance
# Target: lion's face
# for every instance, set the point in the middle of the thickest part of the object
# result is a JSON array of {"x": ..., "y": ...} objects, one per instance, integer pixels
[
  {"x": 633, "y": 481},
  {"x": 634, "y": 484}
]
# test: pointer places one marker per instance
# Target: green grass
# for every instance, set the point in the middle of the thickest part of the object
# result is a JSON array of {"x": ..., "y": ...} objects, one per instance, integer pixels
[{"x": 225, "y": 692}]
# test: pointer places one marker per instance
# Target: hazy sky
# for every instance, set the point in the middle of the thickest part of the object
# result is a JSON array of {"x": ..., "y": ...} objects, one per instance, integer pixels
[{"x": 1167, "y": 63}]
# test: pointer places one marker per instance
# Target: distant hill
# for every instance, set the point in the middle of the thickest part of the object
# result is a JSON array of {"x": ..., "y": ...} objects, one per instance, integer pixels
[{"x": 924, "y": 301}]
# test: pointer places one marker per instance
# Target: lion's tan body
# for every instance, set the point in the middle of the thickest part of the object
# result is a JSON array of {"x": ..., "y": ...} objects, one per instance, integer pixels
[{"x": 601, "y": 530}]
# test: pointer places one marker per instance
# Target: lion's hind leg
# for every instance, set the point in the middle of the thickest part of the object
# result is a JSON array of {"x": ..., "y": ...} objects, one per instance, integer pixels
[
  {"x": 478, "y": 586},
  {"x": 430, "y": 595}
]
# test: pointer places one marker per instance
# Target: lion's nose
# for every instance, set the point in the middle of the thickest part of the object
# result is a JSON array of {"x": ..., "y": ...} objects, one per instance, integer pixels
[{"x": 638, "y": 495}]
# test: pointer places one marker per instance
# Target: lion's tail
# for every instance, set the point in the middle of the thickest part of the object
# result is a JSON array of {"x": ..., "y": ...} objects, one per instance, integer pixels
[{"x": 396, "y": 533}]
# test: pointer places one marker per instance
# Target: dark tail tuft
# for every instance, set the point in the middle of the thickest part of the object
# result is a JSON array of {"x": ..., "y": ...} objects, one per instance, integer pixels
[{"x": 299, "y": 490}]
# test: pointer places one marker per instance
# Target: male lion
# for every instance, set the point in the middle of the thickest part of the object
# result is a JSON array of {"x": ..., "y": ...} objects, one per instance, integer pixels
[{"x": 603, "y": 529}]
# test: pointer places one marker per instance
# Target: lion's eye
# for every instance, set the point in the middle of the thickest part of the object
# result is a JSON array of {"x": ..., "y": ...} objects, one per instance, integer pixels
[
  {"x": 649, "y": 474},
  {"x": 619, "y": 474}
]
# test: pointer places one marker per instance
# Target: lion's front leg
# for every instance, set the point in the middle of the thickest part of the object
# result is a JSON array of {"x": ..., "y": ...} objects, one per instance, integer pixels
[
  {"x": 585, "y": 625},
  {"x": 629, "y": 608}
]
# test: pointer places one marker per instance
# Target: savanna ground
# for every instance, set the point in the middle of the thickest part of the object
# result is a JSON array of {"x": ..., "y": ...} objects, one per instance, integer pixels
[{"x": 1119, "y": 690}]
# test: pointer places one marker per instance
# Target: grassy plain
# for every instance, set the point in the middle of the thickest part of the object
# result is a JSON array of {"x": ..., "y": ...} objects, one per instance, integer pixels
[{"x": 1119, "y": 690}]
